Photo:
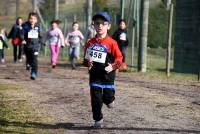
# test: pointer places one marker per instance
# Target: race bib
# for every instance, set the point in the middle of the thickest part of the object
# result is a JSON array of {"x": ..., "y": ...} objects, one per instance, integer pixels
[
  {"x": 1, "y": 44},
  {"x": 33, "y": 34},
  {"x": 96, "y": 53},
  {"x": 122, "y": 36}
]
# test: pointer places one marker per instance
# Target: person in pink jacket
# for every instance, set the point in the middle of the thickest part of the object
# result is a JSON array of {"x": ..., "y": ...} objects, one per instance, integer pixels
[{"x": 55, "y": 39}]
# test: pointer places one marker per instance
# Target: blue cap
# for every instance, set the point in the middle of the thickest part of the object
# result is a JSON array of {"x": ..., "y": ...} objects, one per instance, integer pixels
[{"x": 103, "y": 15}]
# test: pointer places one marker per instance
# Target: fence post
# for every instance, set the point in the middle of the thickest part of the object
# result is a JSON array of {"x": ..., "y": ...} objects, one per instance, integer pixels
[
  {"x": 199, "y": 75},
  {"x": 122, "y": 8},
  {"x": 133, "y": 33},
  {"x": 169, "y": 41}
]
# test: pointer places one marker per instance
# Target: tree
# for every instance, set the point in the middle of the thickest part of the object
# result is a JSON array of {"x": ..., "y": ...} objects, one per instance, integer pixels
[
  {"x": 99, "y": 5},
  {"x": 142, "y": 51},
  {"x": 47, "y": 8}
]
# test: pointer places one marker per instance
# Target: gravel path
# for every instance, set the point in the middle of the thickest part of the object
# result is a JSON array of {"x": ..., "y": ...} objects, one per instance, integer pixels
[{"x": 142, "y": 106}]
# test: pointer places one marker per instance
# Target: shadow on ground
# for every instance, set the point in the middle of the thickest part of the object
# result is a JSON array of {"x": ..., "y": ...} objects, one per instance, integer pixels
[{"x": 78, "y": 126}]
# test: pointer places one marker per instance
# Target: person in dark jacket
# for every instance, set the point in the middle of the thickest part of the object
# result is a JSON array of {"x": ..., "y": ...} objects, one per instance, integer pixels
[
  {"x": 103, "y": 57},
  {"x": 121, "y": 36},
  {"x": 16, "y": 34},
  {"x": 32, "y": 43}
]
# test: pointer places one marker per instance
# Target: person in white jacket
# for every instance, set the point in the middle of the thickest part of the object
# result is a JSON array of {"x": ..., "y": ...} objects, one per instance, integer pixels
[
  {"x": 55, "y": 39},
  {"x": 74, "y": 39}
]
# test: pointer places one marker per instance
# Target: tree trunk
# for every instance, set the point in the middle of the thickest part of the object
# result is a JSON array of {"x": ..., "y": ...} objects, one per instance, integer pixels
[
  {"x": 56, "y": 9},
  {"x": 89, "y": 12},
  {"x": 142, "y": 51},
  {"x": 34, "y": 2}
]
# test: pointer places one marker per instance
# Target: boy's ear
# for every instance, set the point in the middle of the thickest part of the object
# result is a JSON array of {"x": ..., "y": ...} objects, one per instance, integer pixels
[{"x": 109, "y": 26}]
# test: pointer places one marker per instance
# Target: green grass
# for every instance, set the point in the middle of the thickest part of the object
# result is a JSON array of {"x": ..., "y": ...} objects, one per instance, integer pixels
[
  {"x": 156, "y": 64},
  {"x": 16, "y": 116}
]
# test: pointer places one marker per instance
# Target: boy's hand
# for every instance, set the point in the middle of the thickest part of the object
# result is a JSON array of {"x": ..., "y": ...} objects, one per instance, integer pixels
[
  {"x": 24, "y": 42},
  {"x": 109, "y": 68},
  {"x": 36, "y": 53},
  {"x": 90, "y": 64}
]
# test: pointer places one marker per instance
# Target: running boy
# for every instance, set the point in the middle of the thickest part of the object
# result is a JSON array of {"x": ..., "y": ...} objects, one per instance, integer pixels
[
  {"x": 74, "y": 40},
  {"x": 32, "y": 43},
  {"x": 103, "y": 57}
]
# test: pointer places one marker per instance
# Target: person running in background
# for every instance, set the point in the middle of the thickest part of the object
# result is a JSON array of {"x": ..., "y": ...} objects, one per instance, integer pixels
[
  {"x": 91, "y": 32},
  {"x": 102, "y": 57},
  {"x": 32, "y": 43},
  {"x": 55, "y": 39},
  {"x": 3, "y": 44},
  {"x": 16, "y": 34},
  {"x": 120, "y": 35},
  {"x": 74, "y": 40}
]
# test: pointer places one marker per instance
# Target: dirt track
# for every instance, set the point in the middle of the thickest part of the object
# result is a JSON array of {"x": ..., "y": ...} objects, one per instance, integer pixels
[{"x": 143, "y": 105}]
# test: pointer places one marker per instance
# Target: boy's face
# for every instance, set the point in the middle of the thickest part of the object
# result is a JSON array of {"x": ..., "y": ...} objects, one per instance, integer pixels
[
  {"x": 122, "y": 25},
  {"x": 75, "y": 27},
  {"x": 33, "y": 20},
  {"x": 101, "y": 26}
]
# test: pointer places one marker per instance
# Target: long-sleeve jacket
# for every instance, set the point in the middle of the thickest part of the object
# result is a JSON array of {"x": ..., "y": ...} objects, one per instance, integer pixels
[
  {"x": 3, "y": 42},
  {"x": 101, "y": 52},
  {"x": 55, "y": 36},
  {"x": 32, "y": 36},
  {"x": 121, "y": 37},
  {"x": 74, "y": 38},
  {"x": 16, "y": 32}
]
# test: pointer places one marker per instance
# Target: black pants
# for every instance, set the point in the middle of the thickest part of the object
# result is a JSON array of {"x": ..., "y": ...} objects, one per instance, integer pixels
[
  {"x": 98, "y": 97},
  {"x": 1, "y": 54},
  {"x": 31, "y": 59},
  {"x": 17, "y": 52},
  {"x": 123, "y": 51}
]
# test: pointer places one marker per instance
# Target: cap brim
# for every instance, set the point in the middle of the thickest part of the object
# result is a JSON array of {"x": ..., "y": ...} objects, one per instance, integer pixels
[{"x": 99, "y": 16}]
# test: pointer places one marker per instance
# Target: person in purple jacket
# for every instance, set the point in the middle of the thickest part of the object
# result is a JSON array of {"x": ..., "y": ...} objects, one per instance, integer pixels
[{"x": 16, "y": 34}]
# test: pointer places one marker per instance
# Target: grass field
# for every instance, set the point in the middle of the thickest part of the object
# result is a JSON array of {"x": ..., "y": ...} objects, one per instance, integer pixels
[{"x": 16, "y": 116}]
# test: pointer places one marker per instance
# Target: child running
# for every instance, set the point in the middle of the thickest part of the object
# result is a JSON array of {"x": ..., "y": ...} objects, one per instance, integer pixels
[
  {"x": 32, "y": 43},
  {"x": 74, "y": 40},
  {"x": 16, "y": 34},
  {"x": 120, "y": 35},
  {"x": 55, "y": 39},
  {"x": 3, "y": 44},
  {"x": 103, "y": 57}
]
